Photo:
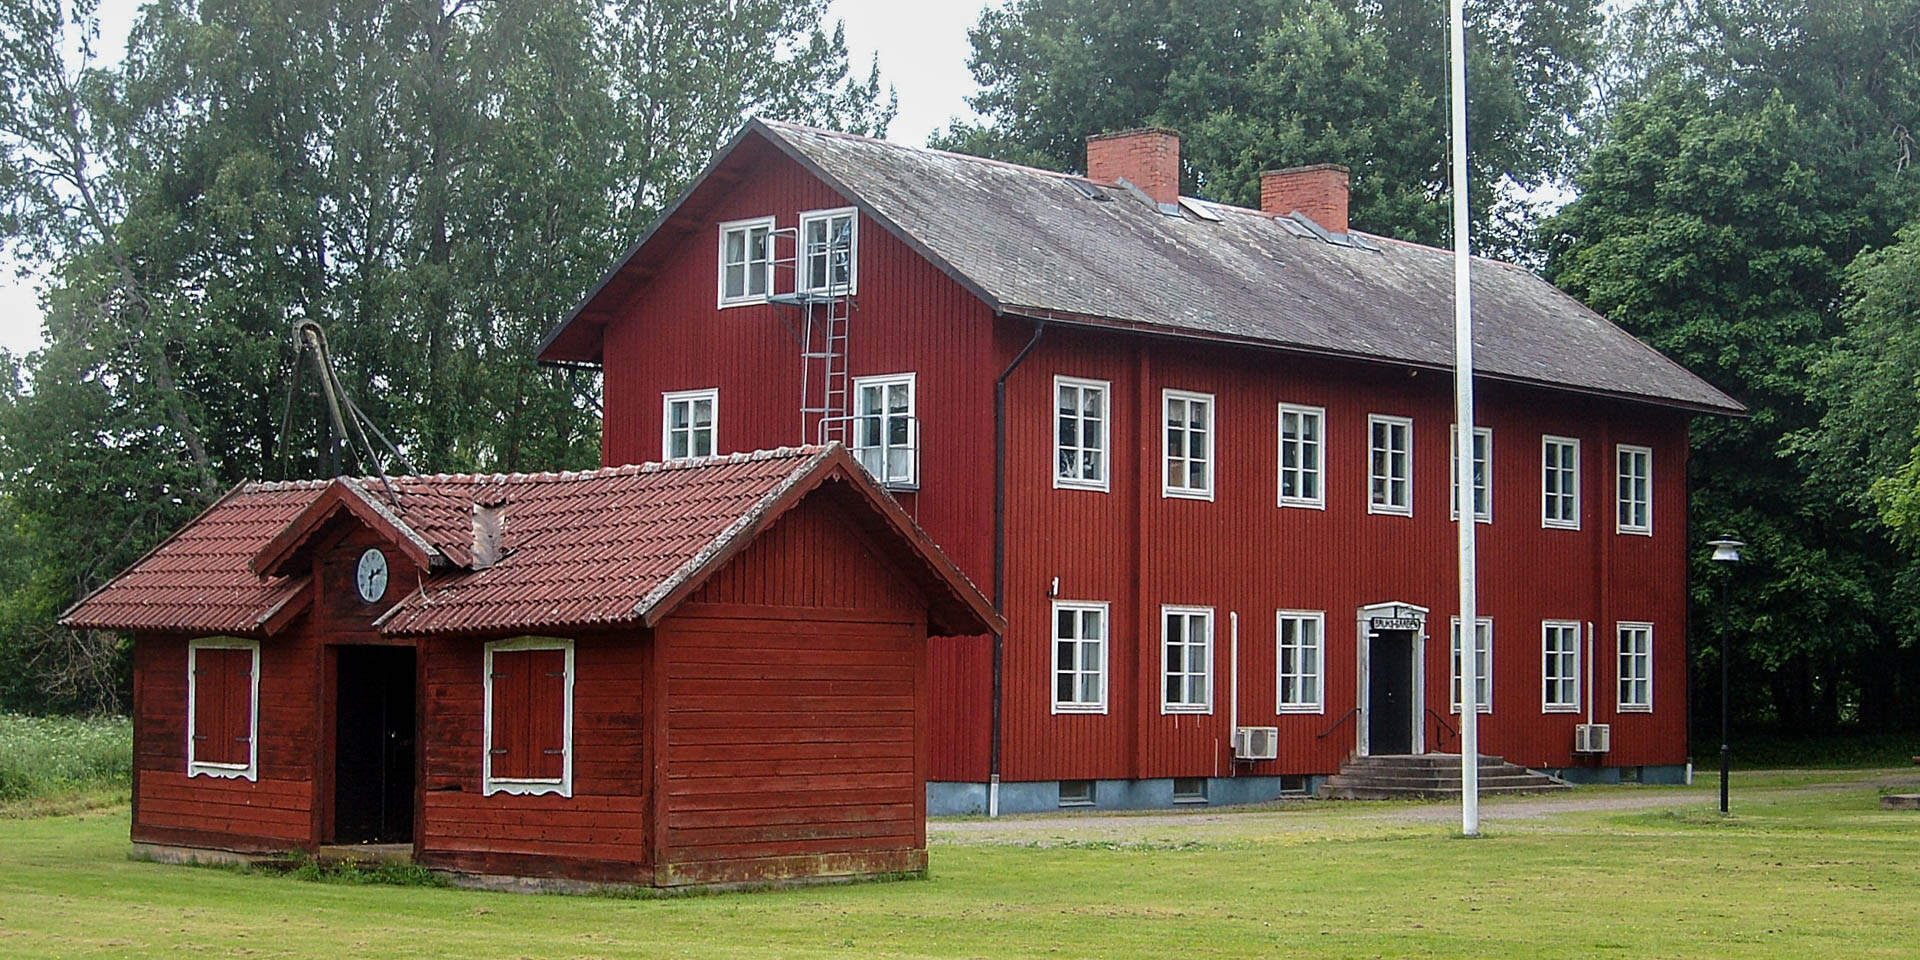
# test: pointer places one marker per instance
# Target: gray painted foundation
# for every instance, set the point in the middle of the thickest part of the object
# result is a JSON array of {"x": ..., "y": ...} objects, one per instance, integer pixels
[
  {"x": 948, "y": 799},
  {"x": 1664, "y": 775}
]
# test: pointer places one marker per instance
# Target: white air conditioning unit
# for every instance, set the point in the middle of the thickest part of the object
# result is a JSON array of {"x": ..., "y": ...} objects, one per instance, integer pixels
[
  {"x": 1592, "y": 738},
  {"x": 1256, "y": 743}
]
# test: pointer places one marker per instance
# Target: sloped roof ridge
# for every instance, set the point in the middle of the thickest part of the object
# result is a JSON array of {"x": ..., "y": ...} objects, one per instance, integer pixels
[{"x": 549, "y": 476}]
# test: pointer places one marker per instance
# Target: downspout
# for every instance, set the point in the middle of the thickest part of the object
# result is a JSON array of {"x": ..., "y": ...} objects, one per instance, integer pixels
[
  {"x": 1000, "y": 557},
  {"x": 1233, "y": 714}
]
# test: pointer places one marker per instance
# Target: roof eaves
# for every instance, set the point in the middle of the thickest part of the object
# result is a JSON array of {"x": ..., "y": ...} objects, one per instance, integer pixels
[{"x": 67, "y": 614}]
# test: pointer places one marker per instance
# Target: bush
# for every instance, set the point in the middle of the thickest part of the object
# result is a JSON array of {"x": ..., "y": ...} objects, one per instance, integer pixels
[{"x": 43, "y": 756}]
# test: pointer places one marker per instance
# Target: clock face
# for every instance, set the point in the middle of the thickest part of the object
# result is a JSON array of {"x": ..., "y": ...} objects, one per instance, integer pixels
[{"x": 372, "y": 576}]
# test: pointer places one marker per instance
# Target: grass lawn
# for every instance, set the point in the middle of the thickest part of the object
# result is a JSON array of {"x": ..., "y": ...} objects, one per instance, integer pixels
[{"x": 1808, "y": 867}]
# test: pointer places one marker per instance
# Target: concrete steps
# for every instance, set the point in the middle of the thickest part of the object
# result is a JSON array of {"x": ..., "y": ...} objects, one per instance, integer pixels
[{"x": 1433, "y": 776}]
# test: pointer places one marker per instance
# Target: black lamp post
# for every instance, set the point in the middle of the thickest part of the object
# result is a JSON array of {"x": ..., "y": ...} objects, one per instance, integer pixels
[{"x": 1726, "y": 551}]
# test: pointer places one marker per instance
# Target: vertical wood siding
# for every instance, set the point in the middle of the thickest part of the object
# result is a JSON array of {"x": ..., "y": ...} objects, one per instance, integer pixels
[{"x": 1137, "y": 550}]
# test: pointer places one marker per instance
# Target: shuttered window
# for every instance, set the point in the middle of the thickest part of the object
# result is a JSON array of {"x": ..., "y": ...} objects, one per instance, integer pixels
[
  {"x": 221, "y": 711},
  {"x": 529, "y": 694}
]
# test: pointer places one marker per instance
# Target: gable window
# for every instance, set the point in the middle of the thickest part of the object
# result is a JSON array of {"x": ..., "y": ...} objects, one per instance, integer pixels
[
  {"x": 1299, "y": 657},
  {"x": 1482, "y": 472},
  {"x": 1302, "y": 456},
  {"x": 1560, "y": 483},
  {"x": 1390, "y": 470},
  {"x": 1080, "y": 433},
  {"x": 1636, "y": 666},
  {"x": 1635, "y": 498},
  {"x": 746, "y": 260},
  {"x": 828, "y": 259},
  {"x": 1186, "y": 660},
  {"x": 1560, "y": 666},
  {"x": 529, "y": 716},
  {"x": 223, "y": 708},
  {"x": 1187, "y": 444},
  {"x": 1079, "y": 658},
  {"x": 886, "y": 435},
  {"x": 687, "y": 423},
  {"x": 1482, "y": 664}
]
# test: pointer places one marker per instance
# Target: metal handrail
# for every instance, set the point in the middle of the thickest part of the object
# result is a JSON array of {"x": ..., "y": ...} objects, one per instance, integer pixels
[
  {"x": 1450, "y": 728},
  {"x": 1322, "y": 735}
]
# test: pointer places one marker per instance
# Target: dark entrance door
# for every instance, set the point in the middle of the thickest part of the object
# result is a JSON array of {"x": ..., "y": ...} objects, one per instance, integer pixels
[
  {"x": 1390, "y": 692},
  {"x": 373, "y": 746}
]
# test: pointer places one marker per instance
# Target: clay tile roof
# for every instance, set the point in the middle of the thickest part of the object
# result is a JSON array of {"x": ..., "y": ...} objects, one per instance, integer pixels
[{"x": 580, "y": 549}]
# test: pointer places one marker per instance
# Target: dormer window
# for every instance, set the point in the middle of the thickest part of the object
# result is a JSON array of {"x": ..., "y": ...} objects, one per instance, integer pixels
[
  {"x": 827, "y": 251},
  {"x": 746, "y": 260}
]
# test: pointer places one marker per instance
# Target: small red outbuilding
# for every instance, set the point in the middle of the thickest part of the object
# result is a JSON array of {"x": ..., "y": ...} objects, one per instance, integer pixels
[{"x": 703, "y": 671}]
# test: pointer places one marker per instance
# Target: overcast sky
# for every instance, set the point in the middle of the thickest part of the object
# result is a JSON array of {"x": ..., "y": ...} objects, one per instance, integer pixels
[{"x": 922, "y": 48}]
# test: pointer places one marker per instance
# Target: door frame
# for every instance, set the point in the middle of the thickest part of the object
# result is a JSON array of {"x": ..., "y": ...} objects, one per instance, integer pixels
[
  {"x": 1363, "y": 633},
  {"x": 326, "y": 758}
]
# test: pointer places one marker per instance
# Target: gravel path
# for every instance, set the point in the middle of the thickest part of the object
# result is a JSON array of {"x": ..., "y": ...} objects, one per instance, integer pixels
[{"x": 1302, "y": 816}]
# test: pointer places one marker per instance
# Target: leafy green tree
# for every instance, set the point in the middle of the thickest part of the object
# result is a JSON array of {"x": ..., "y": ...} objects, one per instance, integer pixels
[
  {"x": 437, "y": 182},
  {"x": 1275, "y": 83}
]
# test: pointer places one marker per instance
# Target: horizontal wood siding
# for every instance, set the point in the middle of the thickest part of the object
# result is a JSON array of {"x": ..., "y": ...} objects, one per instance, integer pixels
[
  {"x": 606, "y": 818},
  {"x": 908, "y": 317},
  {"x": 274, "y": 812}
]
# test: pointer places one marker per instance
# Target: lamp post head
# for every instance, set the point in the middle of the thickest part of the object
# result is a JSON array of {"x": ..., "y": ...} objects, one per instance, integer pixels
[{"x": 1726, "y": 549}]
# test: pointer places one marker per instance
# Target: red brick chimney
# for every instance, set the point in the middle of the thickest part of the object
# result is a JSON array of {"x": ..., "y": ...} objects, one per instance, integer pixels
[
  {"x": 1148, "y": 157},
  {"x": 1319, "y": 191}
]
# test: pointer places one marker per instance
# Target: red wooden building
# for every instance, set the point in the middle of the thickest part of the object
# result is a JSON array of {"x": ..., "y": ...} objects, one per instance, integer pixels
[
  {"x": 702, "y": 672},
  {"x": 1158, "y": 425}
]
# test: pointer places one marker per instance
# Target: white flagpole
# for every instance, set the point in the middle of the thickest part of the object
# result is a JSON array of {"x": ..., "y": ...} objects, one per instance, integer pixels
[{"x": 1463, "y": 439}]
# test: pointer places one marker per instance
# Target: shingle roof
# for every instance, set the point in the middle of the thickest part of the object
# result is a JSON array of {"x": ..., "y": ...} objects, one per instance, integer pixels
[
  {"x": 582, "y": 549},
  {"x": 1030, "y": 244}
]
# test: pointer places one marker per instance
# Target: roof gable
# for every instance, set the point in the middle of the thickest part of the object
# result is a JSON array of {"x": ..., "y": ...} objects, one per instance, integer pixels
[
  {"x": 343, "y": 497},
  {"x": 1240, "y": 276}
]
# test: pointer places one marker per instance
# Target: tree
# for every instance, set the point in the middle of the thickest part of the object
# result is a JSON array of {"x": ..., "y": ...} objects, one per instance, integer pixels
[
  {"x": 436, "y": 181},
  {"x": 1277, "y": 83}
]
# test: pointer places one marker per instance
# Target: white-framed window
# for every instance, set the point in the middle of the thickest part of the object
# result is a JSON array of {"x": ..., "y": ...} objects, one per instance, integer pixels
[
  {"x": 1300, "y": 652},
  {"x": 1559, "y": 666},
  {"x": 1303, "y": 456},
  {"x": 1482, "y": 664},
  {"x": 1636, "y": 666},
  {"x": 1080, "y": 433},
  {"x": 1560, "y": 482},
  {"x": 1187, "y": 444},
  {"x": 1186, "y": 659},
  {"x": 746, "y": 261},
  {"x": 829, "y": 250},
  {"x": 528, "y": 732},
  {"x": 1634, "y": 513},
  {"x": 687, "y": 423},
  {"x": 1482, "y": 472},
  {"x": 223, "y": 708},
  {"x": 1079, "y": 657},
  {"x": 886, "y": 433},
  {"x": 1390, "y": 465}
]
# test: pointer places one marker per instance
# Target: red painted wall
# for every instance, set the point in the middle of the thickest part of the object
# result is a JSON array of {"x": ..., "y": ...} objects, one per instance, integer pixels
[{"x": 1136, "y": 550}]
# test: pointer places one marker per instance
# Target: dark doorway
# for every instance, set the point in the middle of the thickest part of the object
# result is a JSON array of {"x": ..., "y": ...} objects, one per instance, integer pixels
[
  {"x": 1390, "y": 693},
  {"x": 373, "y": 746}
]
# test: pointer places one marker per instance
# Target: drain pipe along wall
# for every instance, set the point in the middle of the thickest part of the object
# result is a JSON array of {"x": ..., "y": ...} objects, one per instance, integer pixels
[{"x": 1000, "y": 558}]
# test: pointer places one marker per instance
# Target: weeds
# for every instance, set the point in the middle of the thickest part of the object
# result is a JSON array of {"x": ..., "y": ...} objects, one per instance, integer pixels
[{"x": 47, "y": 756}]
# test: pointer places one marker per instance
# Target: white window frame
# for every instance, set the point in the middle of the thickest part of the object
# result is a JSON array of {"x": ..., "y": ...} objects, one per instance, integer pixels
[
  {"x": 1374, "y": 505},
  {"x": 236, "y": 771},
  {"x": 689, "y": 397},
  {"x": 1188, "y": 398},
  {"x": 1453, "y": 474},
  {"x": 1484, "y": 679},
  {"x": 1206, "y": 614},
  {"x": 911, "y": 479},
  {"x": 1552, "y": 521},
  {"x": 1319, "y": 620},
  {"x": 1620, "y": 658},
  {"x": 1105, "y": 450},
  {"x": 1548, "y": 659},
  {"x": 1317, "y": 468},
  {"x": 802, "y": 255},
  {"x": 490, "y": 784},
  {"x": 1079, "y": 608},
  {"x": 1620, "y": 480},
  {"x": 746, "y": 226}
]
